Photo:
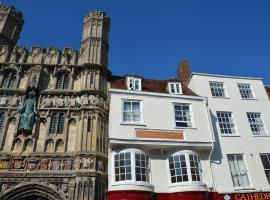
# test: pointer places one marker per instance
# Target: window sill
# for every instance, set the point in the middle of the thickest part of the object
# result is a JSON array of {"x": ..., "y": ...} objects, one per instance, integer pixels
[
  {"x": 143, "y": 184},
  {"x": 176, "y": 127},
  {"x": 221, "y": 97},
  {"x": 244, "y": 188},
  {"x": 261, "y": 135},
  {"x": 189, "y": 184},
  {"x": 132, "y": 124},
  {"x": 249, "y": 99},
  {"x": 231, "y": 135}
]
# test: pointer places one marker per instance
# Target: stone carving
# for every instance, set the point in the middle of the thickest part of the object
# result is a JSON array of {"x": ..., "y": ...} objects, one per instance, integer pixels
[
  {"x": 87, "y": 163},
  {"x": 55, "y": 165},
  {"x": 4, "y": 164},
  {"x": 47, "y": 101},
  {"x": 64, "y": 187},
  {"x": 100, "y": 165},
  {"x": 31, "y": 165},
  {"x": 3, "y": 100},
  {"x": 67, "y": 165},
  {"x": 44, "y": 164},
  {"x": 60, "y": 101},
  {"x": 84, "y": 100},
  {"x": 28, "y": 113},
  {"x": 3, "y": 53},
  {"x": 35, "y": 55},
  {"x": 19, "y": 163},
  {"x": 68, "y": 56},
  {"x": 72, "y": 102},
  {"x": 33, "y": 80},
  {"x": 92, "y": 99},
  {"x": 18, "y": 55},
  {"x": 15, "y": 101},
  {"x": 52, "y": 56},
  {"x": 6, "y": 186}
]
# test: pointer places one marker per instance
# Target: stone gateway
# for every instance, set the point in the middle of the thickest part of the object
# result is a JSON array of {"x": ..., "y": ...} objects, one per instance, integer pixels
[{"x": 53, "y": 114}]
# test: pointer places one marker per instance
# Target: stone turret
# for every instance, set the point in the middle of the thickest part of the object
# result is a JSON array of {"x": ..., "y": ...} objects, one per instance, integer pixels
[
  {"x": 95, "y": 39},
  {"x": 11, "y": 22}
]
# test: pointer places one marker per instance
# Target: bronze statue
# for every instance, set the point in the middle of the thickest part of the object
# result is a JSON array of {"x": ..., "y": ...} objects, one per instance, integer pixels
[{"x": 28, "y": 113}]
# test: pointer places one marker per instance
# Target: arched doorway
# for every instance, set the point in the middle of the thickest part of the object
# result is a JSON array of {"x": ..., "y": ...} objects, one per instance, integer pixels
[{"x": 30, "y": 191}]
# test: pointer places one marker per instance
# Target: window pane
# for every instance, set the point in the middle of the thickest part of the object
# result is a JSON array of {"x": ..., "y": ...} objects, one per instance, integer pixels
[
  {"x": 182, "y": 115},
  {"x": 245, "y": 91},
  {"x": 61, "y": 123},
  {"x": 238, "y": 170},
  {"x": 217, "y": 89},
  {"x": 53, "y": 123},
  {"x": 176, "y": 168},
  {"x": 122, "y": 160},
  {"x": 131, "y": 112},
  {"x": 256, "y": 123},
  {"x": 226, "y": 122},
  {"x": 142, "y": 167},
  {"x": 66, "y": 82},
  {"x": 9, "y": 80},
  {"x": 266, "y": 164},
  {"x": 2, "y": 123},
  {"x": 59, "y": 81}
]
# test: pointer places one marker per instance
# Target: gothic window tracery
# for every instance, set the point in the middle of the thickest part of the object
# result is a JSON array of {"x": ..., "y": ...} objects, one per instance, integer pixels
[
  {"x": 9, "y": 80},
  {"x": 2, "y": 122},
  {"x": 62, "y": 82},
  {"x": 57, "y": 123}
]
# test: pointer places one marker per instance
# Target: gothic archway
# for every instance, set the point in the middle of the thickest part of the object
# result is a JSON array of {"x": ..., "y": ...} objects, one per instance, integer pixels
[{"x": 33, "y": 192}]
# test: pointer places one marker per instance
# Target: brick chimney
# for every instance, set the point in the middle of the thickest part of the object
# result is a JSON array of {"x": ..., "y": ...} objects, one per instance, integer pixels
[{"x": 183, "y": 71}]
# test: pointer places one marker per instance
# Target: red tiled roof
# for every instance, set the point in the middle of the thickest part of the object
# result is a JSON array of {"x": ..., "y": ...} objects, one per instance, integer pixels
[
  {"x": 148, "y": 85},
  {"x": 267, "y": 88}
]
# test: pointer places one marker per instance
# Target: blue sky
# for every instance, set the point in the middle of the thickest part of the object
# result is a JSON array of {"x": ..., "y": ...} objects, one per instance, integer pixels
[{"x": 149, "y": 38}]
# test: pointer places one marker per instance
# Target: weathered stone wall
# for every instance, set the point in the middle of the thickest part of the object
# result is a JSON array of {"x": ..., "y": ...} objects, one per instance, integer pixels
[{"x": 67, "y": 147}]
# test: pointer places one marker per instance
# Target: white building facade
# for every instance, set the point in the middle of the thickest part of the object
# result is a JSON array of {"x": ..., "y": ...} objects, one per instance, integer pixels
[
  {"x": 240, "y": 113},
  {"x": 160, "y": 141}
]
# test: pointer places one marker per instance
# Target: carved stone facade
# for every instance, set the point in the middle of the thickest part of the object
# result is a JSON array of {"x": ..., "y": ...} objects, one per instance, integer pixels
[{"x": 64, "y": 156}]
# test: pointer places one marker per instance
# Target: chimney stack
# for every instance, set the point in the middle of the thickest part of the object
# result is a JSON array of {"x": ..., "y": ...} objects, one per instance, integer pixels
[{"x": 183, "y": 71}]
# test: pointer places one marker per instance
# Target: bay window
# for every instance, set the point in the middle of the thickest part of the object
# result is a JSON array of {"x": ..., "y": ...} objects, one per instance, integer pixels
[
  {"x": 185, "y": 167},
  {"x": 131, "y": 165}
]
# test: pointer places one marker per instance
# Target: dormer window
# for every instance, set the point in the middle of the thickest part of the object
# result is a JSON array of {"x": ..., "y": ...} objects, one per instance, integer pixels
[
  {"x": 175, "y": 88},
  {"x": 134, "y": 83}
]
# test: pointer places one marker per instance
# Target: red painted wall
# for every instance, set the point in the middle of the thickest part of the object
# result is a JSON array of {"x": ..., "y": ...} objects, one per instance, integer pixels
[
  {"x": 140, "y": 195},
  {"x": 130, "y": 195},
  {"x": 184, "y": 196}
]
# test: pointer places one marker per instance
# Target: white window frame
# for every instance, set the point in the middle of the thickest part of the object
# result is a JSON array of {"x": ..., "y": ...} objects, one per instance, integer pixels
[
  {"x": 250, "y": 88},
  {"x": 141, "y": 112},
  {"x": 131, "y": 83},
  {"x": 191, "y": 116},
  {"x": 132, "y": 152},
  {"x": 247, "y": 171},
  {"x": 173, "y": 86},
  {"x": 189, "y": 182},
  {"x": 232, "y": 123},
  {"x": 224, "y": 89},
  {"x": 264, "y": 131},
  {"x": 265, "y": 169}
]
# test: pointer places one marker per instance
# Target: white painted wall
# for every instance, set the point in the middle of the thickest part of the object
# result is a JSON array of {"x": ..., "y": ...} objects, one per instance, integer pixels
[
  {"x": 158, "y": 113},
  {"x": 247, "y": 144}
]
